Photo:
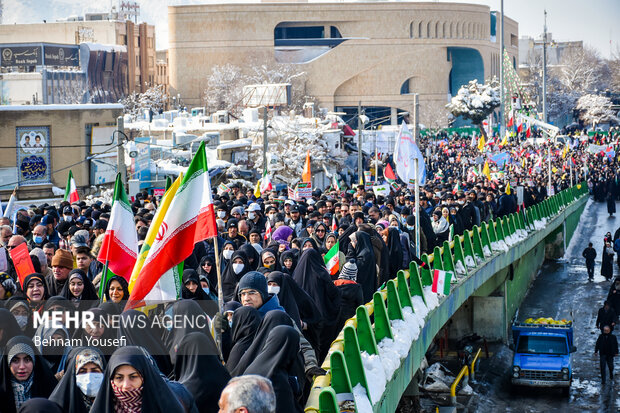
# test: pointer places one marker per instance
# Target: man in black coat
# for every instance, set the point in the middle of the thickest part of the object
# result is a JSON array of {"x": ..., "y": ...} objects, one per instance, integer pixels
[
  {"x": 606, "y": 317},
  {"x": 589, "y": 254},
  {"x": 468, "y": 212},
  {"x": 607, "y": 346}
]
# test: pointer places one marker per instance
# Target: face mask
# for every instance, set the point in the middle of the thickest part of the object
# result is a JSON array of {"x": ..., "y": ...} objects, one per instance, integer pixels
[
  {"x": 272, "y": 216},
  {"x": 410, "y": 227},
  {"x": 89, "y": 383},
  {"x": 68, "y": 218},
  {"x": 206, "y": 290},
  {"x": 251, "y": 215},
  {"x": 38, "y": 239},
  {"x": 221, "y": 214},
  {"x": 227, "y": 254},
  {"x": 237, "y": 268},
  {"x": 273, "y": 289},
  {"x": 22, "y": 320}
]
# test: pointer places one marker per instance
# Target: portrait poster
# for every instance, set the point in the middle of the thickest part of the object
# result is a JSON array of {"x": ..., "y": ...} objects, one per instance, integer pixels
[{"x": 33, "y": 155}]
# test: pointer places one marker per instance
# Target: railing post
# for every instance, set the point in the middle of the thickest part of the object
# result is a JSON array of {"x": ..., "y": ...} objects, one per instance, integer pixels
[
  {"x": 353, "y": 358},
  {"x": 492, "y": 233},
  {"x": 485, "y": 238},
  {"x": 415, "y": 282},
  {"x": 501, "y": 235},
  {"x": 382, "y": 324},
  {"x": 328, "y": 401},
  {"x": 394, "y": 308},
  {"x": 365, "y": 336},
  {"x": 468, "y": 248},
  {"x": 425, "y": 272},
  {"x": 448, "y": 260},
  {"x": 437, "y": 261},
  {"x": 403, "y": 290}
]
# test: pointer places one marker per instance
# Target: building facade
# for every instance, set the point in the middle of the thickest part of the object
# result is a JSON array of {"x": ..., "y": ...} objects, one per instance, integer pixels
[
  {"x": 376, "y": 53},
  {"x": 49, "y": 141}
]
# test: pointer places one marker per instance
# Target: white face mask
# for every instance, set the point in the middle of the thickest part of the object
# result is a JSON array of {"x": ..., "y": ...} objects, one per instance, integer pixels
[
  {"x": 206, "y": 290},
  {"x": 237, "y": 268},
  {"x": 68, "y": 218},
  {"x": 89, "y": 383},
  {"x": 22, "y": 320},
  {"x": 273, "y": 289},
  {"x": 272, "y": 216},
  {"x": 221, "y": 214},
  {"x": 251, "y": 215},
  {"x": 227, "y": 254}
]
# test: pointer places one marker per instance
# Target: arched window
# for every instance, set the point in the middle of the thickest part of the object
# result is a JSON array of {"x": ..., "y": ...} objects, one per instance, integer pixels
[
  {"x": 421, "y": 30},
  {"x": 429, "y": 32},
  {"x": 438, "y": 34},
  {"x": 459, "y": 30},
  {"x": 411, "y": 30},
  {"x": 452, "y": 30},
  {"x": 445, "y": 30}
]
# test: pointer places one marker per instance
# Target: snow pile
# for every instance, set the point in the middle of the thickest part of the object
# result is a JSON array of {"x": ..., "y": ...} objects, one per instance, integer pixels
[
  {"x": 499, "y": 246},
  {"x": 467, "y": 390},
  {"x": 437, "y": 379},
  {"x": 486, "y": 251},
  {"x": 475, "y": 101},
  {"x": 479, "y": 259},
  {"x": 420, "y": 308},
  {"x": 373, "y": 368},
  {"x": 589, "y": 388},
  {"x": 390, "y": 354},
  {"x": 57, "y": 191},
  {"x": 522, "y": 233},
  {"x": 432, "y": 300},
  {"x": 413, "y": 323},
  {"x": 104, "y": 198},
  {"x": 510, "y": 240},
  {"x": 361, "y": 399},
  {"x": 469, "y": 261},
  {"x": 538, "y": 225},
  {"x": 459, "y": 268}
]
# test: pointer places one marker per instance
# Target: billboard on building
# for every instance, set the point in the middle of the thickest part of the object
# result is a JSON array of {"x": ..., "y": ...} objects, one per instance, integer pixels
[
  {"x": 20, "y": 56},
  {"x": 33, "y": 155},
  {"x": 61, "y": 55}
]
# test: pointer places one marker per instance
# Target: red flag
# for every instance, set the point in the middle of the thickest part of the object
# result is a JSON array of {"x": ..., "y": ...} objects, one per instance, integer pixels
[
  {"x": 306, "y": 175},
  {"x": 520, "y": 128},
  {"x": 334, "y": 224},
  {"x": 267, "y": 229},
  {"x": 528, "y": 132},
  {"x": 22, "y": 262},
  {"x": 511, "y": 122},
  {"x": 388, "y": 172}
]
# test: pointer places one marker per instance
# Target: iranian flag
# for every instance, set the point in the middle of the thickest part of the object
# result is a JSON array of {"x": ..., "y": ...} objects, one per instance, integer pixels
[
  {"x": 189, "y": 219},
  {"x": 441, "y": 282},
  {"x": 268, "y": 229},
  {"x": 334, "y": 224},
  {"x": 336, "y": 184},
  {"x": 265, "y": 182},
  {"x": 331, "y": 259},
  {"x": 388, "y": 173},
  {"x": 71, "y": 193},
  {"x": 457, "y": 188},
  {"x": 120, "y": 244}
]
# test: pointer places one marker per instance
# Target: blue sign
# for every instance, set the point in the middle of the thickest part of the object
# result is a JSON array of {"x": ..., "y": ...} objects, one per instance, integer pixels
[
  {"x": 143, "y": 161},
  {"x": 33, "y": 167},
  {"x": 33, "y": 155}
]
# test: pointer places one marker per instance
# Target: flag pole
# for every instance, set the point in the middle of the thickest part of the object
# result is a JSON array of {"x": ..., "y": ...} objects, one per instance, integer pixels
[
  {"x": 417, "y": 211},
  {"x": 220, "y": 293},
  {"x": 104, "y": 277}
]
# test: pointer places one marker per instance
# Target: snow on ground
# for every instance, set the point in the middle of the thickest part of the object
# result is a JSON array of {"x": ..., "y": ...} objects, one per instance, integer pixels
[
  {"x": 431, "y": 298},
  {"x": 459, "y": 268},
  {"x": 486, "y": 251},
  {"x": 390, "y": 353},
  {"x": 479, "y": 259},
  {"x": 499, "y": 246},
  {"x": 375, "y": 375},
  {"x": 361, "y": 399},
  {"x": 419, "y": 306},
  {"x": 469, "y": 261},
  {"x": 586, "y": 387}
]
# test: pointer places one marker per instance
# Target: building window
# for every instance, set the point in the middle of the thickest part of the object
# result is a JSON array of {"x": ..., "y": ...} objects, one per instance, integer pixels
[
  {"x": 420, "y": 30},
  {"x": 304, "y": 32},
  {"x": 514, "y": 41},
  {"x": 429, "y": 33},
  {"x": 445, "y": 30},
  {"x": 404, "y": 88}
]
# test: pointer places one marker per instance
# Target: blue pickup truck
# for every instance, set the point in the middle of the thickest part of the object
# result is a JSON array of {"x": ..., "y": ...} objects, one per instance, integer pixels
[{"x": 542, "y": 355}]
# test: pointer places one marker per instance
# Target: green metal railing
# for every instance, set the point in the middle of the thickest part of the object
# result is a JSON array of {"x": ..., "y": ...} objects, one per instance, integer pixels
[{"x": 344, "y": 361}]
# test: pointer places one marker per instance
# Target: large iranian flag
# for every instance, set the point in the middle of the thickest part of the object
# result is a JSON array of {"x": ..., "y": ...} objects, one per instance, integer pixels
[
  {"x": 120, "y": 244},
  {"x": 71, "y": 193},
  {"x": 189, "y": 219},
  {"x": 332, "y": 261}
]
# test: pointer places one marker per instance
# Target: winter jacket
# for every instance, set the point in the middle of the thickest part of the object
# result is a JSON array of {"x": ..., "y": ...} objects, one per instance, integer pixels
[
  {"x": 605, "y": 318},
  {"x": 607, "y": 345},
  {"x": 589, "y": 254},
  {"x": 352, "y": 297}
]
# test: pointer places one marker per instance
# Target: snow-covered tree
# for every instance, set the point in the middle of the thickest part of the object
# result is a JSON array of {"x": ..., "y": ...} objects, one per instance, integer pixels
[
  {"x": 224, "y": 88},
  {"x": 434, "y": 115},
  {"x": 153, "y": 98},
  {"x": 288, "y": 144},
  {"x": 595, "y": 109},
  {"x": 579, "y": 70},
  {"x": 476, "y": 102},
  {"x": 614, "y": 65}
]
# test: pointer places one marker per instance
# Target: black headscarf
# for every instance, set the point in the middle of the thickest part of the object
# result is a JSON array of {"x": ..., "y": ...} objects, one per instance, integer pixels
[
  {"x": 196, "y": 317},
  {"x": 144, "y": 337},
  {"x": 364, "y": 256},
  {"x": 297, "y": 303},
  {"x": 43, "y": 379},
  {"x": 395, "y": 250},
  {"x": 198, "y": 367},
  {"x": 124, "y": 286},
  {"x": 109, "y": 332},
  {"x": 200, "y": 296},
  {"x": 252, "y": 255},
  {"x": 230, "y": 279},
  {"x": 40, "y": 405},
  {"x": 245, "y": 324},
  {"x": 67, "y": 394},
  {"x": 18, "y": 301},
  {"x": 312, "y": 241},
  {"x": 312, "y": 276},
  {"x": 271, "y": 320},
  {"x": 46, "y": 294},
  {"x": 88, "y": 298},
  {"x": 277, "y": 360},
  {"x": 276, "y": 265},
  {"x": 211, "y": 275},
  {"x": 9, "y": 328},
  {"x": 292, "y": 254},
  {"x": 156, "y": 395},
  {"x": 320, "y": 241},
  {"x": 223, "y": 261}
]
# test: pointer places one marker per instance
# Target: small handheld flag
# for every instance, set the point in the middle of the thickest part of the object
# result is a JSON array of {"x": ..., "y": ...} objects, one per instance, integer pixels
[{"x": 441, "y": 282}]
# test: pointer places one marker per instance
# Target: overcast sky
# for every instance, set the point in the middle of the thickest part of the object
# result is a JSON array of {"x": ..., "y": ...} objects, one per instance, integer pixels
[{"x": 593, "y": 21}]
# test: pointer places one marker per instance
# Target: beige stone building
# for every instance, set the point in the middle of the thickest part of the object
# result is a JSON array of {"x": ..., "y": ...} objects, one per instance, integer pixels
[
  {"x": 47, "y": 139},
  {"x": 376, "y": 53}
]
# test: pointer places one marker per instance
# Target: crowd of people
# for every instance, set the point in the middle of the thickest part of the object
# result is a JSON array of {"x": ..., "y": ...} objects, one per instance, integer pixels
[{"x": 282, "y": 307}]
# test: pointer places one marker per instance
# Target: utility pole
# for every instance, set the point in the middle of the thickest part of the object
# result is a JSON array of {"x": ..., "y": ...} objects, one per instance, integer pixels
[
  {"x": 416, "y": 107},
  {"x": 265, "y": 143},
  {"x": 120, "y": 151},
  {"x": 360, "y": 168},
  {"x": 544, "y": 79},
  {"x": 502, "y": 95}
]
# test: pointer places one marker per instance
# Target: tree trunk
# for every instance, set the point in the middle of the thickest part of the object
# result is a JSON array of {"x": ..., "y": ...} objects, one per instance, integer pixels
[{"x": 483, "y": 132}]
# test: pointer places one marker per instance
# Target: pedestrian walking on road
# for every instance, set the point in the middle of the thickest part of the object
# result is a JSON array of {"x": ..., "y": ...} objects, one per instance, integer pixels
[
  {"x": 607, "y": 266},
  {"x": 589, "y": 254},
  {"x": 606, "y": 317},
  {"x": 607, "y": 346}
]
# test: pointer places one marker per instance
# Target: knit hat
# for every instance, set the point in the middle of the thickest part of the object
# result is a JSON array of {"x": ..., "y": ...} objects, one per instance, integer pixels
[
  {"x": 62, "y": 258},
  {"x": 254, "y": 280},
  {"x": 349, "y": 271},
  {"x": 20, "y": 348}
]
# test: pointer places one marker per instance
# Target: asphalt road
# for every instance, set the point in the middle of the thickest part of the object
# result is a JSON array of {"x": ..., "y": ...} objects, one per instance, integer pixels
[{"x": 562, "y": 288}]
